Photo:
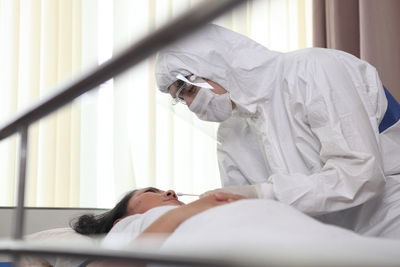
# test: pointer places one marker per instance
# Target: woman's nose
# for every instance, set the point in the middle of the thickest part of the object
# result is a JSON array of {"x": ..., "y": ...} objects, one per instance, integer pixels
[{"x": 171, "y": 193}]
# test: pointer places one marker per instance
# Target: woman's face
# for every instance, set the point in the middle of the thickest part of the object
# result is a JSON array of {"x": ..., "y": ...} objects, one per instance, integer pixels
[{"x": 150, "y": 197}]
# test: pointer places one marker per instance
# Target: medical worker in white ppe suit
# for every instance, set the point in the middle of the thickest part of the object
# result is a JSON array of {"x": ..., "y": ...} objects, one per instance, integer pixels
[{"x": 314, "y": 128}]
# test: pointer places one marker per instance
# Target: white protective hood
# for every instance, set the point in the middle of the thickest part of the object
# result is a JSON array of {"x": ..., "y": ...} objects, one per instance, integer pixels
[{"x": 225, "y": 57}]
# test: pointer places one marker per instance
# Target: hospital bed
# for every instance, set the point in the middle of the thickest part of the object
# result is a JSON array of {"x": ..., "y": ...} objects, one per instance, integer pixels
[
  {"x": 50, "y": 242},
  {"x": 39, "y": 232}
]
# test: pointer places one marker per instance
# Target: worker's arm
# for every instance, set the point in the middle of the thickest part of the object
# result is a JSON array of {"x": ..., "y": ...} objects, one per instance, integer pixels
[{"x": 343, "y": 121}]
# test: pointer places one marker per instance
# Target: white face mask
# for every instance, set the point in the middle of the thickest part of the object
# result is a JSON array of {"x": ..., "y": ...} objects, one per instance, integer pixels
[{"x": 209, "y": 106}]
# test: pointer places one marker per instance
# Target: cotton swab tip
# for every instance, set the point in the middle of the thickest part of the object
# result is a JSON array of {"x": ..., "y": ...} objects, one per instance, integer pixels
[{"x": 183, "y": 194}]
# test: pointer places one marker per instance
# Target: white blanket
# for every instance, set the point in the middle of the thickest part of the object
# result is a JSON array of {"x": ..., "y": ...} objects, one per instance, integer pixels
[{"x": 262, "y": 230}]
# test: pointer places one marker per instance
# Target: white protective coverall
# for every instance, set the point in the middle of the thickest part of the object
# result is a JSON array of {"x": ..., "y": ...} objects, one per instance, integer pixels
[{"x": 305, "y": 127}]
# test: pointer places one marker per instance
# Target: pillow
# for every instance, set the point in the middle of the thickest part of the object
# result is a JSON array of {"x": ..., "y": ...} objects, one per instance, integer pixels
[{"x": 63, "y": 236}]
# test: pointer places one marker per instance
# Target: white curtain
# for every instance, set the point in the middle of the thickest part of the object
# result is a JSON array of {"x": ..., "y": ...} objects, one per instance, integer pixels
[
  {"x": 126, "y": 134},
  {"x": 40, "y": 47}
]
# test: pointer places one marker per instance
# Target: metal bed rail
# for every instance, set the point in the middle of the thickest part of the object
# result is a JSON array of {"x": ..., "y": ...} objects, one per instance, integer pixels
[
  {"x": 173, "y": 31},
  {"x": 137, "y": 255},
  {"x": 331, "y": 253}
]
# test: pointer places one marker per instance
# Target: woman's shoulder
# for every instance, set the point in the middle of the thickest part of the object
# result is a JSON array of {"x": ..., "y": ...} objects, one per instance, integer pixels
[
  {"x": 131, "y": 226},
  {"x": 151, "y": 214}
]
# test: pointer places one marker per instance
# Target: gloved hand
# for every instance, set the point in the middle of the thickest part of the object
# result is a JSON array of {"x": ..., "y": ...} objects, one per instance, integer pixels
[{"x": 248, "y": 191}]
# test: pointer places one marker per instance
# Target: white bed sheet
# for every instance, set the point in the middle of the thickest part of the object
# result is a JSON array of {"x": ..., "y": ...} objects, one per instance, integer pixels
[{"x": 254, "y": 231}]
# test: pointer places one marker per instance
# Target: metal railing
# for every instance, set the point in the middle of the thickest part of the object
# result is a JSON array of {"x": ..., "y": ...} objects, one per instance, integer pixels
[
  {"x": 138, "y": 255},
  {"x": 178, "y": 28}
]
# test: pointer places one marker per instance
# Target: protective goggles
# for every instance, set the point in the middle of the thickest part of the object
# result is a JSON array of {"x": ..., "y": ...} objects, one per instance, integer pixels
[
  {"x": 187, "y": 86},
  {"x": 184, "y": 86}
]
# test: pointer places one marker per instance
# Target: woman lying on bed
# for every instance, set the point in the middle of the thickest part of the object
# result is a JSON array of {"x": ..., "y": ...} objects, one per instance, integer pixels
[
  {"x": 225, "y": 222},
  {"x": 142, "y": 203},
  {"x": 144, "y": 211},
  {"x": 220, "y": 215}
]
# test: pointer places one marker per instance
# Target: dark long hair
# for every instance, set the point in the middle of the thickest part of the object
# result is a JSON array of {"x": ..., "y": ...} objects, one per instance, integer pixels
[{"x": 90, "y": 224}]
